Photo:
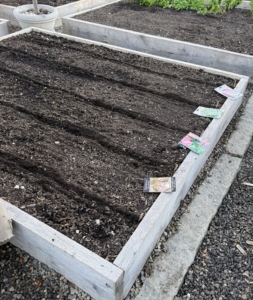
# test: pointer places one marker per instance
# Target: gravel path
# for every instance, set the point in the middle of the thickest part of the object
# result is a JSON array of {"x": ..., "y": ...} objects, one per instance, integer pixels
[
  {"x": 221, "y": 271},
  {"x": 23, "y": 277}
]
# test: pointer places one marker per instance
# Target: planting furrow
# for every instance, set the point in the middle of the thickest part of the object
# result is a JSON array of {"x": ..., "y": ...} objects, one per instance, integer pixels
[
  {"x": 121, "y": 99},
  {"x": 50, "y": 210},
  {"x": 85, "y": 51},
  {"x": 171, "y": 123},
  {"x": 28, "y": 139},
  {"x": 50, "y": 177},
  {"x": 94, "y": 123},
  {"x": 103, "y": 74},
  {"x": 117, "y": 71},
  {"x": 100, "y": 103},
  {"x": 42, "y": 180}
]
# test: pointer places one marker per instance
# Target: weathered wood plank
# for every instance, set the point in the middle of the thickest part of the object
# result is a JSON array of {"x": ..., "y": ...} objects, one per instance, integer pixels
[
  {"x": 6, "y": 12},
  {"x": 244, "y": 5},
  {"x": 3, "y": 27},
  {"x": 138, "y": 248},
  {"x": 95, "y": 275},
  {"x": 82, "y": 5}
]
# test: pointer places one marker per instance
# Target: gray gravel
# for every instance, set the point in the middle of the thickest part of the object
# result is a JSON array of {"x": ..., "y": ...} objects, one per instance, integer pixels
[
  {"x": 221, "y": 271},
  {"x": 23, "y": 277}
]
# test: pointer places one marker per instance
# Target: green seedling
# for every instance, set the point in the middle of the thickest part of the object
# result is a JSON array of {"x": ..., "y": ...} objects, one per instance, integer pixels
[{"x": 213, "y": 6}]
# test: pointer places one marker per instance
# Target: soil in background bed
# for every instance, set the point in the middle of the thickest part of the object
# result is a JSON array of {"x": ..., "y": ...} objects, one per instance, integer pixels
[
  {"x": 230, "y": 31},
  {"x": 81, "y": 126},
  {"x": 45, "y": 2}
]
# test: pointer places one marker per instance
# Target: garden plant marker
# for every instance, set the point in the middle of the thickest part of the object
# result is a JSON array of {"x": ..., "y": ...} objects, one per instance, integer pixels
[
  {"x": 228, "y": 92},
  {"x": 208, "y": 112},
  {"x": 159, "y": 185},
  {"x": 194, "y": 143}
]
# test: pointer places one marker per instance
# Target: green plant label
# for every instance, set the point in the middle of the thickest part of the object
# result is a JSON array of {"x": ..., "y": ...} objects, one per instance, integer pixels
[
  {"x": 194, "y": 143},
  {"x": 208, "y": 112}
]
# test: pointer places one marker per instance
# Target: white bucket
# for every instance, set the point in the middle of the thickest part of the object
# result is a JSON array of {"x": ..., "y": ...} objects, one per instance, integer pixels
[{"x": 44, "y": 21}]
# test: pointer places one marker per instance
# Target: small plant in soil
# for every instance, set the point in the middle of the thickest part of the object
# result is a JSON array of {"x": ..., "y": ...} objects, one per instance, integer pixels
[{"x": 201, "y": 6}]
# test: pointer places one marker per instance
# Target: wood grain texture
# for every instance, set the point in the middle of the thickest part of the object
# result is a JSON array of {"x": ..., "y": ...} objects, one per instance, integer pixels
[
  {"x": 3, "y": 27},
  {"x": 95, "y": 275}
]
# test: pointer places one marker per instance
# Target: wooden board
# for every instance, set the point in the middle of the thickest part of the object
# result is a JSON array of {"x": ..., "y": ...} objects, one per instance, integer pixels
[
  {"x": 95, "y": 275},
  {"x": 244, "y": 5},
  {"x": 3, "y": 27},
  {"x": 101, "y": 279}
]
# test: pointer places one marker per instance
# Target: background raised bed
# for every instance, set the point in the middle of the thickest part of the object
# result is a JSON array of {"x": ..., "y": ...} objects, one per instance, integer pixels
[{"x": 222, "y": 41}]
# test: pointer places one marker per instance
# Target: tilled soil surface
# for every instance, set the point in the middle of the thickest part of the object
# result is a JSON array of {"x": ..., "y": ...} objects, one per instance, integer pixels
[
  {"x": 47, "y": 2},
  {"x": 230, "y": 31},
  {"x": 81, "y": 126}
]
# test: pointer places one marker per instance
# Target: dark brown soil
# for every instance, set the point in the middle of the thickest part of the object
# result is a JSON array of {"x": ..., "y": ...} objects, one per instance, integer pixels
[
  {"x": 81, "y": 126},
  {"x": 230, "y": 31},
  {"x": 47, "y": 2}
]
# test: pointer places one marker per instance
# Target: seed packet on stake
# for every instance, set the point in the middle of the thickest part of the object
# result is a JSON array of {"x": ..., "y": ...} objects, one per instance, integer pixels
[
  {"x": 228, "y": 92},
  {"x": 194, "y": 143},
  {"x": 208, "y": 112},
  {"x": 159, "y": 185}
]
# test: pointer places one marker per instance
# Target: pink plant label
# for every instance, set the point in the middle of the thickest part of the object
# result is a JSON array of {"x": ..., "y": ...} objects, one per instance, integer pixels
[
  {"x": 194, "y": 143},
  {"x": 228, "y": 92}
]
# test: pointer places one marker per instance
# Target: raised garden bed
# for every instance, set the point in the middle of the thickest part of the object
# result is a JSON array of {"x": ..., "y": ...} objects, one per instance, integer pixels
[
  {"x": 181, "y": 35},
  {"x": 82, "y": 125},
  {"x": 65, "y": 7}
]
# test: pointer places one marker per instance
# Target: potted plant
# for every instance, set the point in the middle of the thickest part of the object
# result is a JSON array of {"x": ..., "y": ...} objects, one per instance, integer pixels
[{"x": 34, "y": 15}]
